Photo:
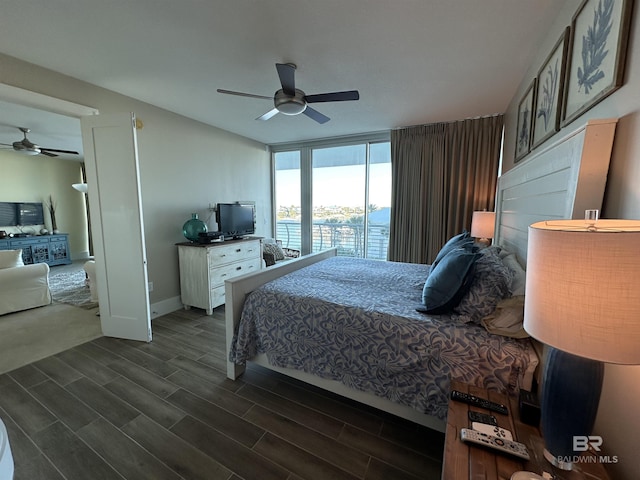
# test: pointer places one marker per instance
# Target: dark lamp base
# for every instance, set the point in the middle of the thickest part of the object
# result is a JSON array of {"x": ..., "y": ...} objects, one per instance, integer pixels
[{"x": 570, "y": 395}]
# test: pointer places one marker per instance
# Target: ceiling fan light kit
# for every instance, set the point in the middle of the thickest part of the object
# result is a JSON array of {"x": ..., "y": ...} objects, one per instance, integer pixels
[
  {"x": 292, "y": 101},
  {"x": 288, "y": 105}
]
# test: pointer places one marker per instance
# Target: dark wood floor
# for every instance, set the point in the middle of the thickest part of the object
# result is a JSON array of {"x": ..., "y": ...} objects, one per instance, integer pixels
[{"x": 114, "y": 409}]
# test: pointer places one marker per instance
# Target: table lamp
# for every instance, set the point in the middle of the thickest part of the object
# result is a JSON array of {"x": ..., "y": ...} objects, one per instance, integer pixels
[
  {"x": 583, "y": 300},
  {"x": 483, "y": 225}
]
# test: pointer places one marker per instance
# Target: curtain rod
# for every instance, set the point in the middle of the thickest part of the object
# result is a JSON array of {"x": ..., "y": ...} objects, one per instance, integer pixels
[{"x": 449, "y": 122}]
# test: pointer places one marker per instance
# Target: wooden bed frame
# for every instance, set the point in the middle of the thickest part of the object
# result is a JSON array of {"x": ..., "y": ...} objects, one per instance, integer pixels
[{"x": 560, "y": 180}]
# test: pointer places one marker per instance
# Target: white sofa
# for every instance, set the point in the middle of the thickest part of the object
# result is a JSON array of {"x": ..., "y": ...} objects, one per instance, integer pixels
[{"x": 22, "y": 286}]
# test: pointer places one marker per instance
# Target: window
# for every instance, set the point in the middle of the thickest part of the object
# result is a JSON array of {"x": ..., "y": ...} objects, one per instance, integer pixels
[
  {"x": 334, "y": 195},
  {"x": 288, "y": 209}
]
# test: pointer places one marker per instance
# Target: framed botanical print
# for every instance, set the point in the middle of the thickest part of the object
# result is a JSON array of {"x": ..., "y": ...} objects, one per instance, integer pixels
[
  {"x": 525, "y": 117},
  {"x": 549, "y": 91},
  {"x": 597, "y": 54}
]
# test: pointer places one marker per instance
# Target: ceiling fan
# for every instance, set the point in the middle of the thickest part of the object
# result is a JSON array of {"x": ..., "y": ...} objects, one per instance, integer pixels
[
  {"x": 30, "y": 148},
  {"x": 291, "y": 101}
]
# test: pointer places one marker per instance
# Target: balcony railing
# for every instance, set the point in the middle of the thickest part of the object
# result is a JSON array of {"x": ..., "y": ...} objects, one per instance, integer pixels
[{"x": 348, "y": 238}]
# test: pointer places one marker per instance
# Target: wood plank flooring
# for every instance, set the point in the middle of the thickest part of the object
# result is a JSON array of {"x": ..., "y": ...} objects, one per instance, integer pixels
[{"x": 114, "y": 409}]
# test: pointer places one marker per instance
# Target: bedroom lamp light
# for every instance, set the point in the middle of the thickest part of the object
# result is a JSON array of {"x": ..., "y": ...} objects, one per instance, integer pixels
[
  {"x": 582, "y": 300},
  {"x": 483, "y": 225}
]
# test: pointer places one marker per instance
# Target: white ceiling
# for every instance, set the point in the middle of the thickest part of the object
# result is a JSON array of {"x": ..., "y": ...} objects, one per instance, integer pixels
[{"x": 413, "y": 61}]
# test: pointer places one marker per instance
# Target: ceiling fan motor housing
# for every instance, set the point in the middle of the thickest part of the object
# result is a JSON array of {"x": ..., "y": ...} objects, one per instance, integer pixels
[
  {"x": 26, "y": 147},
  {"x": 290, "y": 105}
]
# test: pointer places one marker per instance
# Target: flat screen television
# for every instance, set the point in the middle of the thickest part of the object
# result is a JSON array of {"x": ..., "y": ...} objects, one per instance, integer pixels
[
  {"x": 236, "y": 219},
  {"x": 21, "y": 213}
]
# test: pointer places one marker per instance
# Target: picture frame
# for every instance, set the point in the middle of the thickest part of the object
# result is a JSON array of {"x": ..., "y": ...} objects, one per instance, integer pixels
[
  {"x": 525, "y": 117},
  {"x": 549, "y": 92},
  {"x": 597, "y": 54}
]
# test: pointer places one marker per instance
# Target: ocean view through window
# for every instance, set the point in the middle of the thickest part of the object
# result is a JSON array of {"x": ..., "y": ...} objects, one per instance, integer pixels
[{"x": 334, "y": 196}]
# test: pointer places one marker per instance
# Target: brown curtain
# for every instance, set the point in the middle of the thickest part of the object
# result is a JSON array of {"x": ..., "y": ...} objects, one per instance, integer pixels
[{"x": 441, "y": 173}]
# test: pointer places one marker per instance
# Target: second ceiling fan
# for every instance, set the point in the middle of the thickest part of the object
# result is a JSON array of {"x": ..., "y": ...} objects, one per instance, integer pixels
[
  {"x": 292, "y": 101},
  {"x": 28, "y": 147}
]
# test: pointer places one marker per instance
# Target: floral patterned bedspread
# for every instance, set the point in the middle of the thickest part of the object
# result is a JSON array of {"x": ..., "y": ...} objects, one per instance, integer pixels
[{"x": 354, "y": 320}]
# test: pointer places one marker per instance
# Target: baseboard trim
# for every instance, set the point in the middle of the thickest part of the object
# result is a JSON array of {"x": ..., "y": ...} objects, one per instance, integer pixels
[{"x": 166, "y": 306}]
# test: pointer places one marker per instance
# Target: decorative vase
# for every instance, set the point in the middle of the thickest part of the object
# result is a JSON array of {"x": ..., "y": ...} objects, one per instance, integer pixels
[{"x": 193, "y": 227}]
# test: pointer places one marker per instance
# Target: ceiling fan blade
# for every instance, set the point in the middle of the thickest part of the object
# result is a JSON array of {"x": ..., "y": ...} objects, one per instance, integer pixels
[
  {"x": 333, "y": 97},
  {"x": 268, "y": 115},
  {"x": 241, "y": 94},
  {"x": 315, "y": 115},
  {"x": 70, "y": 152},
  {"x": 286, "y": 72},
  {"x": 7, "y": 144},
  {"x": 48, "y": 154}
]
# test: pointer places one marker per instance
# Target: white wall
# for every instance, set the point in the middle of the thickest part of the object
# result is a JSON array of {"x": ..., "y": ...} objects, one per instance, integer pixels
[
  {"x": 618, "y": 419},
  {"x": 184, "y": 166}
]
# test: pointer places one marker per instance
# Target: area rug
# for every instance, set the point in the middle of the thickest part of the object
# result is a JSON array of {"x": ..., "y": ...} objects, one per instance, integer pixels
[{"x": 68, "y": 286}]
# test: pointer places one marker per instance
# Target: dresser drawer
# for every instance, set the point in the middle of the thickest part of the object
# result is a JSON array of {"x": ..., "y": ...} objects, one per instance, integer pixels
[
  {"x": 28, "y": 241},
  {"x": 231, "y": 253},
  {"x": 217, "y": 296},
  {"x": 218, "y": 275}
]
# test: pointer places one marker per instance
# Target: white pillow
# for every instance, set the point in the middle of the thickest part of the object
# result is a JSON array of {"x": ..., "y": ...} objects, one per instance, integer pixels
[
  {"x": 507, "y": 318},
  {"x": 518, "y": 282},
  {"x": 11, "y": 258}
]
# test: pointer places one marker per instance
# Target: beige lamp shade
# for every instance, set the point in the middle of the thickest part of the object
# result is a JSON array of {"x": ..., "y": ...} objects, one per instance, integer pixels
[
  {"x": 483, "y": 224},
  {"x": 583, "y": 288}
]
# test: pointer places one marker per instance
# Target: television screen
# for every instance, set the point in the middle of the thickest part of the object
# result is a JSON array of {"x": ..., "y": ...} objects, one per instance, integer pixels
[
  {"x": 8, "y": 217},
  {"x": 236, "y": 219},
  {"x": 14, "y": 213},
  {"x": 30, "y": 214}
]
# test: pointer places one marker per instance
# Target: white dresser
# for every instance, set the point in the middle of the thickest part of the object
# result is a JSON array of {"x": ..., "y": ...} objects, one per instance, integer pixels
[{"x": 204, "y": 268}]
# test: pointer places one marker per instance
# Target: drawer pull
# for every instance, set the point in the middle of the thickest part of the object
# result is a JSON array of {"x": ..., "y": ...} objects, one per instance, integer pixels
[
  {"x": 238, "y": 268},
  {"x": 238, "y": 250}
]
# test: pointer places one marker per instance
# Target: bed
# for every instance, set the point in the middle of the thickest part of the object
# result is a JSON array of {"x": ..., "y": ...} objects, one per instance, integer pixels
[{"x": 363, "y": 337}]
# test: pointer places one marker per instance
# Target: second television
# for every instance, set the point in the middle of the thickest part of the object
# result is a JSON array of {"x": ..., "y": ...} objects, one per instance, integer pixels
[{"x": 236, "y": 219}]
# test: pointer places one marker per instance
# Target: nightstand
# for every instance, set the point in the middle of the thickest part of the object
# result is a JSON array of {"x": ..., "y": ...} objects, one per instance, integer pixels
[{"x": 463, "y": 461}]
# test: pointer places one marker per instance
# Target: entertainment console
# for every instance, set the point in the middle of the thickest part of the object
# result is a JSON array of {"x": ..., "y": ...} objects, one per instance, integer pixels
[
  {"x": 205, "y": 267},
  {"x": 50, "y": 249}
]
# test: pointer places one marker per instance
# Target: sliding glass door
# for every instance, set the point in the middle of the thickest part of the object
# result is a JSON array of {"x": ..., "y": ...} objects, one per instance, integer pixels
[
  {"x": 338, "y": 196},
  {"x": 339, "y": 176},
  {"x": 288, "y": 203}
]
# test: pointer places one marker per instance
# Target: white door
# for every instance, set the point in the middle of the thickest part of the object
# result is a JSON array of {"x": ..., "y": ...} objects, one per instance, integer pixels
[{"x": 111, "y": 160}]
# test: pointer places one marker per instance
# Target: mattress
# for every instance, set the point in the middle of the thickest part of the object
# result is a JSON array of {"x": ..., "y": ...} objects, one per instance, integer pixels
[{"x": 355, "y": 321}]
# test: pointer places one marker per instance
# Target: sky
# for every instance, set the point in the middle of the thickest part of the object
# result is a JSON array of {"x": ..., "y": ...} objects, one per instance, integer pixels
[{"x": 338, "y": 186}]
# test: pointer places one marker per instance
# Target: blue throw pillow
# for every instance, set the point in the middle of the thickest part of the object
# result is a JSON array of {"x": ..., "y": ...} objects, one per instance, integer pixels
[
  {"x": 448, "y": 281},
  {"x": 461, "y": 240}
]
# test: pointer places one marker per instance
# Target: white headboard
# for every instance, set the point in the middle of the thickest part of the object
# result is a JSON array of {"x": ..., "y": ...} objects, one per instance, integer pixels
[{"x": 561, "y": 180}]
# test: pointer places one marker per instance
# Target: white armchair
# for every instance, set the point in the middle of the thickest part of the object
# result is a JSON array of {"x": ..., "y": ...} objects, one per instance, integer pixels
[
  {"x": 90, "y": 269},
  {"x": 22, "y": 286},
  {"x": 273, "y": 252}
]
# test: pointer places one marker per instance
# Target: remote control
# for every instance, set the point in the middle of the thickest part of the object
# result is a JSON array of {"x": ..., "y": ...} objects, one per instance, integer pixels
[
  {"x": 482, "y": 418},
  {"x": 506, "y": 446},
  {"x": 478, "y": 402},
  {"x": 492, "y": 430}
]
